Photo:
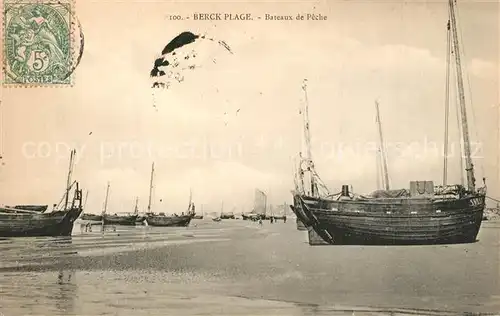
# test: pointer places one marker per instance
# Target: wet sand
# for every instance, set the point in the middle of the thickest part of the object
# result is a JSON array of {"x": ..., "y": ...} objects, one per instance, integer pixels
[{"x": 238, "y": 268}]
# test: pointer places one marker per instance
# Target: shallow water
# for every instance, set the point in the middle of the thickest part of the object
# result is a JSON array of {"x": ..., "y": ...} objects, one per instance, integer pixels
[{"x": 238, "y": 268}]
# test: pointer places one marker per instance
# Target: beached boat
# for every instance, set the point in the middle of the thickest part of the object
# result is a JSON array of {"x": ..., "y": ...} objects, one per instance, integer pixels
[
  {"x": 259, "y": 207},
  {"x": 164, "y": 220},
  {"x": 168, "y": 220},
  {"x": 116, "y": 219},
  {"x": 228, "y": 215},
  {"x": 424, "y": 214},
  {"x": 91, "y": 217},
  {"x": 198, "y": 216},
  {"x": 17, "y": 222},
  {"x": 34, "y": 208}
]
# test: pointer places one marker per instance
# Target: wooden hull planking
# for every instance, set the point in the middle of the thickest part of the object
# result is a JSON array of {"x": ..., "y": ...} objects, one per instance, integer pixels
[
  {"x": 169, "y": 221},
  {"x": 396, "y": 221},
  {"x": 59, "y": 223}
]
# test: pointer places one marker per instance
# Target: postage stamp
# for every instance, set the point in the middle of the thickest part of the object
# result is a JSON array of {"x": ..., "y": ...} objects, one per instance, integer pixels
[{"x": 37, "y": 42}]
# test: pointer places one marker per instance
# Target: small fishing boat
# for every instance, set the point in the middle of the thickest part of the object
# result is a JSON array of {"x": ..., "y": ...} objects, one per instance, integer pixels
[
  {"x": 34, "y": 208},
  {"x": 228, "y": 215},
  {"x": 140, "y": 218},
  {"x": 18, "y": 222},
  {"x": 163, "y": 220},
  {"x": 116, "y": 219},
  {"x": 91, "y": 217},
  {"x": 198, "y": 216}
]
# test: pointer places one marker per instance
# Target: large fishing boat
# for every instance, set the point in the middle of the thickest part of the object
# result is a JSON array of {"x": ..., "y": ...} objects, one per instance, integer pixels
[
  {"x": 18, "y": 222},
  {"x": 424, "y": 214},
  {"x": 163, "y": 219}
]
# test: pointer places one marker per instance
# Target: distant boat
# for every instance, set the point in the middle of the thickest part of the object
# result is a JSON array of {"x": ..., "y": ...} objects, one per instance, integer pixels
[
  {"x": 164, "y": 220},
  {"x": 124, "y": 220},
  {"x": 17, "y": 222},
  {"x": 228, "y": 215},
  {"x": 216, "y": 219},
  {"x": 140, "y": 218},
  {"x": 198, "y": 216},
  {"x": 169, "y": 220},
  {"x": 259, "y": 207},
  {"x": 250, "y": 217},
  {"x": 91, "y": 217},
  {"x": 116, "y": 219},
  {"x": 34, "y": 208}
]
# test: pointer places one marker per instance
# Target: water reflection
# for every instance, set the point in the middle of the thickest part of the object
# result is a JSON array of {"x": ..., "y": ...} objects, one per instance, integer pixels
[{"x": 65, "y": 292}]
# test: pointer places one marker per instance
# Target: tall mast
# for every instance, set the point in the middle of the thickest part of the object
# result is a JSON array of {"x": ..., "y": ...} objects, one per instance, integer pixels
[
  {"x": 68, "y": 180},
  {"x": 447, "y": 104},
  {"x": 136, "y": 209},
  {"x": 151, "y": 186},
  {"x": 469, "y": 167},
  {"x": 190, "y": 199},
  {"x": 380, "y": 181},
  {"x": 265, "y": 204},
  {"x": 382, "y": 149},
  {"x": 307, "y": 140},
  {"x": 106, "y": 200}
]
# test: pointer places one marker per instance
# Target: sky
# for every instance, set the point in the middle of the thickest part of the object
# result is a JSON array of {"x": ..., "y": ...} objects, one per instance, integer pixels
[{"x": 390, "y": 51}]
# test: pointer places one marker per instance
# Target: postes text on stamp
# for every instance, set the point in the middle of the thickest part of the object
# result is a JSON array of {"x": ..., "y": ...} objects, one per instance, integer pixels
[{"x": 37, "y": 42}]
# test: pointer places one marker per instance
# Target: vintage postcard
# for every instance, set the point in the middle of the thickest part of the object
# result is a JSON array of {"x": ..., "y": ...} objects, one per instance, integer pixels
[{"x": 250, "y": 157}]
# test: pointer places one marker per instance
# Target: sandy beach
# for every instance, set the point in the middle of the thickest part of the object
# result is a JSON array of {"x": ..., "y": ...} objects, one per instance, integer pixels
[{"x": 239, "y": 268}]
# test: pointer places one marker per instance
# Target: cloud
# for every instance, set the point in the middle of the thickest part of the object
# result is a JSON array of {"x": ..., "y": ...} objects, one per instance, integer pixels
[{"x": 483, "y": 69}]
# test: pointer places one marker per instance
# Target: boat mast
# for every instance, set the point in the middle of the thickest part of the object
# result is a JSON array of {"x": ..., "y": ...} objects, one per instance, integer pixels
[
  {"x": 307, "y": 140},
  {"x": 382, "y": 149},
  {"x": 265, "y": 203},
  {"x": 469, "y": 167},
  {"x": 151, "y": 186},
  {"x": 447, "y": 104},
  {"x": 68, "y": 180},
  {"x": 190, "y": 199},
  {"x": 106, "y": 200},
  {"x": 136, "y": 209}
]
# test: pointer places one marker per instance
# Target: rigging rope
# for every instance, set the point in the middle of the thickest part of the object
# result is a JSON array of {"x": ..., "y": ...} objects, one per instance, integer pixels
[
  {"x": 459, "y": 127},
  {"x": 476, "y": 133}
]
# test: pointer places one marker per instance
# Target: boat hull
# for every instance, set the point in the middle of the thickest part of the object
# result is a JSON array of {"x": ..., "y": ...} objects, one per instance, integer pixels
[
  {"x": 395, "y": 221},
  {"x": 59, "y": 223},
  {"x": 124, "y": 220},
  {"x": 35, "y": 208},
  {"x": 303, "y": 220},
  {"x": 169, "y": 221},
  {"x": 91, "y": 217}
]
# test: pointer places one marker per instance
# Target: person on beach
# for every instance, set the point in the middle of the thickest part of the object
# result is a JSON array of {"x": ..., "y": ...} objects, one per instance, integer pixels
[{"x": 260, "y": 221}]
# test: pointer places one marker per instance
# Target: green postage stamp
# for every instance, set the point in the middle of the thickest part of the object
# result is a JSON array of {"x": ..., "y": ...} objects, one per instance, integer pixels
[{"x": 37, "y": 42}]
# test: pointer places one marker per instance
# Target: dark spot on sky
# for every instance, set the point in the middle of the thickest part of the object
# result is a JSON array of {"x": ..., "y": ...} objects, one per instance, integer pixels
[{"x": 180, "y": 40}]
